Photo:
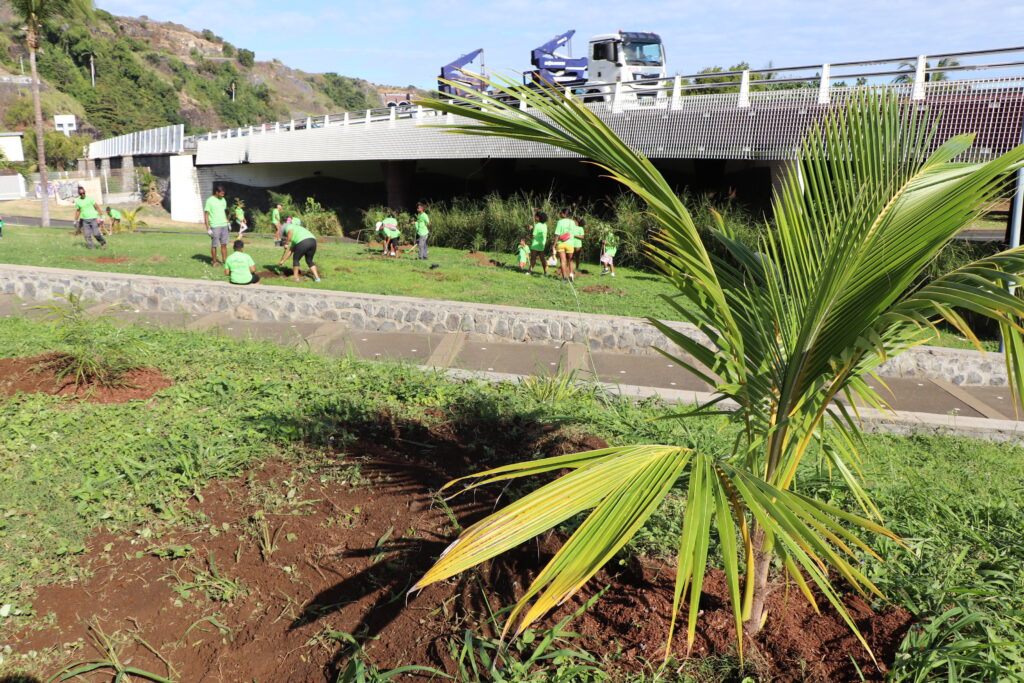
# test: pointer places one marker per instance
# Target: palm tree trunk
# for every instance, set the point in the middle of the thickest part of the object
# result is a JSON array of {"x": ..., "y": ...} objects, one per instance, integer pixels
[
  {"x": 44, "y": 219},
  {"x": 762, "y": 562}
]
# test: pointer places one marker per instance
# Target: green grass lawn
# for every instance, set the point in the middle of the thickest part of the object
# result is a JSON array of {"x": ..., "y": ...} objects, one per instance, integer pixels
[
  {"x": 127, "y": 467},
  {"x": 357, "y": 268},
  {"x": 354, "y": 268}
]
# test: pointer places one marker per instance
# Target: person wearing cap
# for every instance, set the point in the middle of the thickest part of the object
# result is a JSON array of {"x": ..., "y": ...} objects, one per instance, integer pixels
[
  {"x": 87, "y": 211},
  {"x": 300, "y": 243}
]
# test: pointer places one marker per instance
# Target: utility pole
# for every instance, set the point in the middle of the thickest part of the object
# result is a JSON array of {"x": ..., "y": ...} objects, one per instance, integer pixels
[
  {"x": 21, "y": 62},
  {"x": 232, "y": 91},
  {"x": 92, "y": 71}
]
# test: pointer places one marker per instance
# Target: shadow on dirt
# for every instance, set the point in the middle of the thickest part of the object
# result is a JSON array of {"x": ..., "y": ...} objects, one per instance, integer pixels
[{"x": 415, "y": 459}]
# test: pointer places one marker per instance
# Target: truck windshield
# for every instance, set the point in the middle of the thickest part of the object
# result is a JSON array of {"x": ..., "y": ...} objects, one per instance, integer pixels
[{"x": 642, "y": 54}]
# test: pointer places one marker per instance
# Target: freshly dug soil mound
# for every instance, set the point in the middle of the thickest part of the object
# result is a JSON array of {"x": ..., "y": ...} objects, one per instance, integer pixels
[
  {"x": 351, "y": 537},
  {"x": 481, "y": 258},
  {"x": 38, "y": 376}
]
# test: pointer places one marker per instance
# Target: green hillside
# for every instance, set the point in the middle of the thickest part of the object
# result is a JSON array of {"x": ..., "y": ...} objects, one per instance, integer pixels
[{"x": 150, "y": 74}]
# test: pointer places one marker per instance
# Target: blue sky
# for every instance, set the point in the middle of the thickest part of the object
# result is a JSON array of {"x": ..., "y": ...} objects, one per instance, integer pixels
[{"x": 398, "y": 42}]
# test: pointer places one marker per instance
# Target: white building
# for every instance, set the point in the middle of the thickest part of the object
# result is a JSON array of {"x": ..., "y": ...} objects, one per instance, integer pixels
[
  {"x": 10, "y": 145},
  {"x": 65, "y": 123}
]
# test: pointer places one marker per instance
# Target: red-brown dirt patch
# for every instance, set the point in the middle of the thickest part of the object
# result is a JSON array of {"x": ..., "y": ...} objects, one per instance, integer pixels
[
  {"x": 601, "y": 289},
  {"x": 39, "y": 376},
  {"x": 157, "y": 258},
  {"x": 481, "y": 258},
  {"x": 352, "y": 535},
  {"x": 103, "y": 259}
]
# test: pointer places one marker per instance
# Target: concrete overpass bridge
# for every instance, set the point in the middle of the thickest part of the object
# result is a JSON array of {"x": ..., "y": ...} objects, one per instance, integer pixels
[{"x": 754, "y": 121}]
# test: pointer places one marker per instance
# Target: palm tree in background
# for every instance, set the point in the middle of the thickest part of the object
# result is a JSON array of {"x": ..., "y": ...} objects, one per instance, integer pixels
[
  {"x": 928, "y": 77},
  {"x": 34, "y": 14},
  {"x": 790, "y": 324}
]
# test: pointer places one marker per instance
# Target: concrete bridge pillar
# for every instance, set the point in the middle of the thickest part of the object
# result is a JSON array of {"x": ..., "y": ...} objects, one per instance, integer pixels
[
  {"x": 105, "y": 167},
  {"x": 127, "y": 167},
  {"x": 399, "y": 180},
  {"x": 781, "y": 171},
  {"x": 84, "y": 166}
]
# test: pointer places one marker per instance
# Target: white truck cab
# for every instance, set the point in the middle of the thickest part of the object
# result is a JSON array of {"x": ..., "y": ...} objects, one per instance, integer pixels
[{"x": 625, "y": 56}]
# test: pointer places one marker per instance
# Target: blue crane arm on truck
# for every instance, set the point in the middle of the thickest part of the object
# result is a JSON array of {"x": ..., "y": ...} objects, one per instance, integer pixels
[
  {"x": 554, "y": 68},
  {"x": 453, "y": 71}
]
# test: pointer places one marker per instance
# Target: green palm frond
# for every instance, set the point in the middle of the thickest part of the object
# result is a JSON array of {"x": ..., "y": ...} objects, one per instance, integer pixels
[{"x": 791, "y": 324}]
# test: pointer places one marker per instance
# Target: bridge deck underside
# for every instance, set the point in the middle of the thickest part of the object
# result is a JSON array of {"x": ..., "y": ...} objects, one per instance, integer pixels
[{"x": 700, "y": 127}]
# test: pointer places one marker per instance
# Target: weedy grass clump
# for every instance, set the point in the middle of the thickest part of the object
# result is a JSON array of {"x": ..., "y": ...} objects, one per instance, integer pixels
[{"x": 92, "y": 350}]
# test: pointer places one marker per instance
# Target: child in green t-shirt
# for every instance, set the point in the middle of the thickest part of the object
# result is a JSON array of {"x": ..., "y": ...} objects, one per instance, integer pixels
[
  {"x": 609, "y": 247},
  {"x": 538, "y": 240},
  {"x": 389, "y": 226},
  {"x": 524, "y": 256},
  {"x": 1, "y": 228}
]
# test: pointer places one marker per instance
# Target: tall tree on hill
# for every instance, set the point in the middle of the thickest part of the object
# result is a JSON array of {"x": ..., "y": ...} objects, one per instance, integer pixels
[{"x": 34, "y": 14}]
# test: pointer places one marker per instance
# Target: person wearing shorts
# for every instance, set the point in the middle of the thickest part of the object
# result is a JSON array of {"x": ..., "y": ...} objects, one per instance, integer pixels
[
  {"x": 240, "y": 218},
  {"x": 565, "y": 228},
  {"x": 539, "y": 240},
  {"x": 609, "y": 247},
  {"x": 524, "y": 255},
  {"x": 391, "y": 235},
  {"x": 87, "y": 211},
  {"x": 115, "y": 219},
  {"x": 215, "y": 215},
  {"x": 239, "y": 267},
  {"x": 300, "y": 243}
]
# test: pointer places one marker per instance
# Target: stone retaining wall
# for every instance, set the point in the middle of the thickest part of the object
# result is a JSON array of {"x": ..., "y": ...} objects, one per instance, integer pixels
[{"x": 408, "y": 314}]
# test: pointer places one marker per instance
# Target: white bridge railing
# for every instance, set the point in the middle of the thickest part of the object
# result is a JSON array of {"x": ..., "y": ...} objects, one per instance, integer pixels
[{"x": 671, "y": 93}]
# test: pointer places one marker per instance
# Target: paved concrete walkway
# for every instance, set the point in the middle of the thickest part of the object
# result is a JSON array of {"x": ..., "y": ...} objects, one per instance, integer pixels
[{"x": 638, "y": 375}]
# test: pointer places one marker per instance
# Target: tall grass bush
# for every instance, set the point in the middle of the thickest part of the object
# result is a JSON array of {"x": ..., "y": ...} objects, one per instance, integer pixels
[
  {"x": 502, "y": 221},
  {"x": 319, "y": 220}
]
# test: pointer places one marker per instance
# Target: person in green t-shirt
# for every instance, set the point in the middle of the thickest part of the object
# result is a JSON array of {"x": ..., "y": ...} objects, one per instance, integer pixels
[
  {"x": 422, "y": 229},
  {"x": 389, "y": 226},
  {"x": 609, "y": 247},
  {"x": 215, "y": 216},
  {"x": 240, "y": 217},
  {"x": 299, "y": 242},
  {"x": 1, "y": 228},
  {"x": 577, "y": 242},
  {"x": 538, "y": 240},
  {"x": 87, "y": 211},
  {"x": 565, "y": 228},
  {"x": 275, "y": 219},
  {"x": 239, "y": 267},
  {"x": 115, "y": 219},
  {"x": 524, "y": 255}
]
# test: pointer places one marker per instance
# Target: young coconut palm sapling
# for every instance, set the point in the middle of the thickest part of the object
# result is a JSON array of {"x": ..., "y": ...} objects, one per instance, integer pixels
[{"x": 826, "y": 298}]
